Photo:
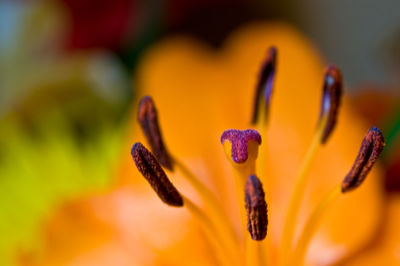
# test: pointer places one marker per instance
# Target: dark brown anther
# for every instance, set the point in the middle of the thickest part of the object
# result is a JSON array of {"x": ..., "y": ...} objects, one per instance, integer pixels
[
  {"x": 256, "y": 208},
  {"x": 264, "y": 84},
  {"x": 148, "y": 166},
  {"x": 331, "y": 100},
  {"x": 148, "y": 120},
  {"x": 371, "y": 148}
]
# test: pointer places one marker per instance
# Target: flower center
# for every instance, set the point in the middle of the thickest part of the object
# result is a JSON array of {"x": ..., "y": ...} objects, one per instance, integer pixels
[{"x": 241, "y": 148}]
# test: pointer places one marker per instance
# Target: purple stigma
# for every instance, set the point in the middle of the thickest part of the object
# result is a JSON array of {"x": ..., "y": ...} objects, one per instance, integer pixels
[{"x": 240, "y": 140}]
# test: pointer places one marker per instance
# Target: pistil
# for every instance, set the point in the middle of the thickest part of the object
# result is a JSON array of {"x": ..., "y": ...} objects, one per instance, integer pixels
[{"x": 241, "y": 149}]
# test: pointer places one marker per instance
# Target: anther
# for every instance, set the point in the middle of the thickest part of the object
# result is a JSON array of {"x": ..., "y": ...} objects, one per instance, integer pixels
[
  {"x": 331, "y": 99},
  {"x": 148, "y": 120},
  {"x": 148, "y": 166},
  {"x": 243, "y": 143},
  {"x": 264, "y": 84},
  {"x": 371, "y": 148},
  {"x": 256, "y": 208}
]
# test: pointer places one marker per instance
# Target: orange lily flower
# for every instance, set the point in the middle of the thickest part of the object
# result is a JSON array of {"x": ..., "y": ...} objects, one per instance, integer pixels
[{"x": 199, "y": 94}]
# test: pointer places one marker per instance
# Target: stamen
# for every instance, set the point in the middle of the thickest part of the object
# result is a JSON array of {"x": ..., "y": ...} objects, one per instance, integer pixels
[
  {"x": 148, "y": 166},
  {"x": 226, "y": 256},
  {"x": 331, "y": 99},
  {"x": 211, "y": 203},
  {"x": 256, "y": 208},
  {"x": 371, "y": 148},
  {"x": 148, "y": 120},
  {"x": 154, "y": 174},
  {"x": 312, "y": 224},
  {"x": 147, "y": 116},
  {"x": 264, "y": 85},
  {"x": 332, "y": 90},
  {"x": 262, "y": 101}
]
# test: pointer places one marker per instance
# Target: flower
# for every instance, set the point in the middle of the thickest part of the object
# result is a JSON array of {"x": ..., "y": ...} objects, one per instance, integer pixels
[{"x": 200, "y": 93}]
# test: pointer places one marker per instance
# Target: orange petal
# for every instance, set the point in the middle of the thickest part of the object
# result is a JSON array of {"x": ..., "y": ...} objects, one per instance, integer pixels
[
  {"x": 200, "y": 93},
  {"x": 384, "y": 250},
  {"x": 122, "y": 227}
]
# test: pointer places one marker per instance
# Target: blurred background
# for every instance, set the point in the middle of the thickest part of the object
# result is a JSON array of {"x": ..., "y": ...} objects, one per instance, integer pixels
[{"x": 67, "y": 81}]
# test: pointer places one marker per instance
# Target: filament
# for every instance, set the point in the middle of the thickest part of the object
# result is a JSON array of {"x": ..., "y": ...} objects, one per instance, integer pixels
[
  {"x": 254, "y": 252},
  {"x": 222, "y": 222},
  {"x": 312, "y": 225},
  {"x": 213, "y": 235},
  {"x": 263, "y": 159},
  {"x": 297, "y": 195}
]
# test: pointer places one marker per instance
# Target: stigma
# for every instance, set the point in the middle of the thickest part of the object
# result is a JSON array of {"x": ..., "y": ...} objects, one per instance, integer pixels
[{"x": 241, "y": 145}]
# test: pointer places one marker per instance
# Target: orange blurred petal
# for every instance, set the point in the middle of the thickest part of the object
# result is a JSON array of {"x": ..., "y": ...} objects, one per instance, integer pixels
[
  {"x": 200, "y": 93},
  {"x": 385, "y": 249}
]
